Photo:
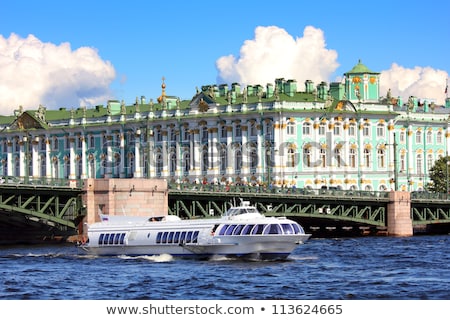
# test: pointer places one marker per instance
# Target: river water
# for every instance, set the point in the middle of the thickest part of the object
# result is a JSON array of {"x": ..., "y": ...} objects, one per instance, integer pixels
[{"x": 366, "y": 268}]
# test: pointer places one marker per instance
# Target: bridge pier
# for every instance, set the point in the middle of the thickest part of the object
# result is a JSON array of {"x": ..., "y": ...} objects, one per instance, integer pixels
[
  {"x": 399, "y": 220},
  {"x": 134, "y": 197}
]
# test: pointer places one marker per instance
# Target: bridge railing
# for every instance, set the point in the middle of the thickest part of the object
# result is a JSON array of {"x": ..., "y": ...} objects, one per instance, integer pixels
[
  {"x": 426, "y": 195},
  {"x": 41, "y": 181},
  {"x": 189, "y": 187}
]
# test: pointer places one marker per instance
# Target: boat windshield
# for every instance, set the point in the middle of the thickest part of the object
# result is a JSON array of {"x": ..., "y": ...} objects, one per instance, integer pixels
[{"x": 240, "y": 210}]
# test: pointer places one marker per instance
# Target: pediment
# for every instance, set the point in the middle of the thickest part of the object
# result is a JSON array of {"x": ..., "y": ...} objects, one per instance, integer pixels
[
  {"x": 26, "y": 121},
  {"x": 201, "y": 102}
]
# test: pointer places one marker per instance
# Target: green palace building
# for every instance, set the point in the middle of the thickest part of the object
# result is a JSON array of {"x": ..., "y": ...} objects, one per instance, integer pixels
[{"x": 342, "y": 135}]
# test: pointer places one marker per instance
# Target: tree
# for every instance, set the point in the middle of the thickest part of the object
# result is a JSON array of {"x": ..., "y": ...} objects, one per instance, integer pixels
[{"x": 439, "y": 175}]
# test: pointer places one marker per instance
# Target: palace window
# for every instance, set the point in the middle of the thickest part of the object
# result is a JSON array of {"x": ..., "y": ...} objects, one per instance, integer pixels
[
  {"x": 352, "y": 158},
  {"x": 253, "y": 158},
  {"x": 91, "y": 141},
  {"x": 173, "y": 134},
  {"x": 290, "y": 128},
  {"x": 337, "y": 129},
  {"x": 253, "y": 129},
  {"x": 402, "y": 163},
  {"x": 173, "y": 163},
  {"x": 323, "y": 157},
  {"x": 322, "y": 129},
  {"x": 306, "y": 128},
  {"x": 291, "y": 158},
  {"x": 205, "y": 160},
  {"x": 186, "y": 134},
  {"x": 366, "y": 129},
  {"x": 187, "y": 162},
  {"x": 205, "y": 134},
  {"x": 238, "y": 163},
  {"x": 223, "y": 159},
  {"x": 338, "y": 157},
  {"x": 418, "y": 136},
  {"x": 402, "y": 137},
  {"x": 429, "y": 137},
  {"x": 430, "y": 161},
  {"x": 367, "y": 157},
  {"x": 352, "y": 129},
  {"x": 268, "y": 130},
  {"x": 419, "y": 164},
  {"x": 307, "y": 156},
  {"x": 381, "y": 158},
  {"x": 223, "y": 131},
  {"x": 439, "y": 137},
  {"x": 238, "y": 131},
  {"x": 380, "y": 130},
  {"x": 158, "y": 135}
]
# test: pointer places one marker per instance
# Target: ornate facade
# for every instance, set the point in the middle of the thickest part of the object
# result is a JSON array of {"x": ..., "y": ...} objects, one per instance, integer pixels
[{"x": 339, "y": 136}]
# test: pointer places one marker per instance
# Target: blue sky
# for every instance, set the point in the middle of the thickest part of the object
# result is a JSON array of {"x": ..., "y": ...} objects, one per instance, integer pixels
[{"x": 72, "y": 53}]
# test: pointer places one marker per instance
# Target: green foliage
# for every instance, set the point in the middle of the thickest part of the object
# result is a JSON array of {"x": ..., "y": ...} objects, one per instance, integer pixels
[{"x": 439, "y": 175}]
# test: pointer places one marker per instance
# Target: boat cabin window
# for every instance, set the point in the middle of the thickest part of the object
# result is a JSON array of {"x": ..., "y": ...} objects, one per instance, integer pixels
[
  {"x": 273, "y": 229},
  {"x": 258, "y": 229},
  {"x": 238, "y": 211},
  {"x": 230, "y": 229},
  {"x": 170, "y": 238},
  {"x": 252, "y": 229},
  {"x": 287, "y": 228},
  {"x": 238, "y": 229},
  {"x": 246, "y": 230},
  {"x": 177, "y": 237},
  {"x": 111, "y": 238},
  {"x": 297, "y": 228}
]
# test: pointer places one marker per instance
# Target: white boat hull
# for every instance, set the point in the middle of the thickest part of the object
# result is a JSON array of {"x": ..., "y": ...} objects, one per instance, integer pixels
[{"x": 244, "y": 235}]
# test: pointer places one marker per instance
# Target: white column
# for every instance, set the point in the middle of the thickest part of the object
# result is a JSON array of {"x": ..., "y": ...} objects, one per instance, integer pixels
[
  {"x": 230, "y": 151},
  {"x": 245, "y": 170},
  {"x": 137, "y": 154},
  {"x": 109, "y": 156},
  {"x": 35, "y": 157},
  {"x": 9, "y": 159},
  {"x": 72, "y": 159},
  {"x": 23, "y": 144},
  {"x": 48, "y": 160},
  {"x": 196, "y": 151},
  {"x": 164, "y": 153},
  {"x": 83, "y": 174},
  {"x": 410, "y": 137},
  {"x": 122, "y": 155},
  {"x": 360, "y": 152}
]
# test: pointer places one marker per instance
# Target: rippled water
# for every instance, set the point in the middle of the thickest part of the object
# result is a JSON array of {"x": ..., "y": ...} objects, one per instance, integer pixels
[{"x": 345, "y": 268}]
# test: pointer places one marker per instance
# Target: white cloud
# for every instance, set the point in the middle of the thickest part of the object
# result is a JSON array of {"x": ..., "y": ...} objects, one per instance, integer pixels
[
  {"x": 33, "y": 73},
  {"x": 273, "y": 53},
  {"x": 421, "y": 82}
]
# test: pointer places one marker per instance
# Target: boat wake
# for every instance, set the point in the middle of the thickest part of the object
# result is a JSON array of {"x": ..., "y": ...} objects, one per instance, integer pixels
[{"x": 154, "y": 258}]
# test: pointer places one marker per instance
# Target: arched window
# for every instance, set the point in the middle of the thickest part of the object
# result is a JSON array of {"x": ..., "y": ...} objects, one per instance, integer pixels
[
  {"x": 381, "y": 157},
  {"x": 173, "y": 162},
  {"x": 223, "y": 158},
  {"x": 291, "y": 158},
  {"x": 352, "y": 157},
  {"x": 307, "y": 156},
  {"x": 323, "y": 157},
  {"x": 367, "y": 157}
]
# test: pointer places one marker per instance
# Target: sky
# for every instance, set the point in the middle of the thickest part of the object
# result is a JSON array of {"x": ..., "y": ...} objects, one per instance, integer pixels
[{"x": 84, "y": 53}]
